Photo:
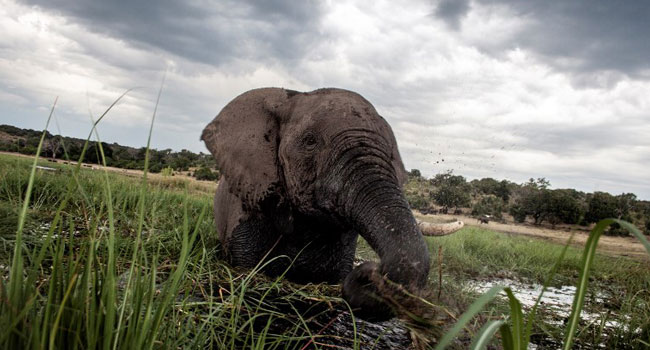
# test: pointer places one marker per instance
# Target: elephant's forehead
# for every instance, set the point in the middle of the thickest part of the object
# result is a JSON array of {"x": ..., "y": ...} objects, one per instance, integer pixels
[{"x": 334, "y": 112}]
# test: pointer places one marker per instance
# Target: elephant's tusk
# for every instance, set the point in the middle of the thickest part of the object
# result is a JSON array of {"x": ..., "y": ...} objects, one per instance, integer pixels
[{"x": 430, "y": 229}]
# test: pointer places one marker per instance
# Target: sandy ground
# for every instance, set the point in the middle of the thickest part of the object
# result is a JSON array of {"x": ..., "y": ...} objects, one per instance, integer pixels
[{"x": 614, "y": 246}]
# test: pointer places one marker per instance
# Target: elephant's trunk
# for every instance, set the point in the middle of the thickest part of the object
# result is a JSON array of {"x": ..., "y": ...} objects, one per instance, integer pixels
[
  {"x": 382, "y": 216},
  {"x": 384, "y": 219},
  {"x": 370, "y": 199}
]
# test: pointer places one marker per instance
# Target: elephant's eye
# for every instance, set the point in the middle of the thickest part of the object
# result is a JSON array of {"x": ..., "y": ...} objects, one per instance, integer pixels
[{"x": 309, "y": 140}]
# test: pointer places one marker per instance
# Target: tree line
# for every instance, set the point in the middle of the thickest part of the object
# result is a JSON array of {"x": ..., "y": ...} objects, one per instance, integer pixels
[
  {"x": 25, "y": 141},
  {"x": 532, "y": 201}
]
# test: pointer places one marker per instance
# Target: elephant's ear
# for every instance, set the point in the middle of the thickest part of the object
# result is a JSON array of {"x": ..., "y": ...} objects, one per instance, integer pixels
[{"x": 243, "y": 138}]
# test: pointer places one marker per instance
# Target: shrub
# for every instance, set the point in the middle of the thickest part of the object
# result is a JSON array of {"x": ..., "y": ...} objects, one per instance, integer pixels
[
  {"x": 155, "y": 168},
  {"x": 616, "y": 230},
  {"x": 417, "y": 201},
  {"x": 204, "y": 173},
  {"x": 168, "y": 171},
  {"x": 488, "y": 205},
  {"x": 518, "y": 213}
]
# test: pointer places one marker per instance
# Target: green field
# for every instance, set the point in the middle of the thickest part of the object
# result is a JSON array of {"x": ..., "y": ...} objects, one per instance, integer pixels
[{"x": 108, "y": 261}]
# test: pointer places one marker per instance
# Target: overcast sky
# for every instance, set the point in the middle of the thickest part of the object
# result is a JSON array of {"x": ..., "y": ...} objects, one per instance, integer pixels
[{"x": 504, "y": 89}]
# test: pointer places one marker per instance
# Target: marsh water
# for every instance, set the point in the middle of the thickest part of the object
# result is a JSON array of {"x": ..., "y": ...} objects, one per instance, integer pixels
[{"x": 557, "y": 302}]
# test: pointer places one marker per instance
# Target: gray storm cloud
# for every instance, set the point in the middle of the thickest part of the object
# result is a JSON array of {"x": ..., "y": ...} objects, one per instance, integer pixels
[{"x": 497, "y": 88}]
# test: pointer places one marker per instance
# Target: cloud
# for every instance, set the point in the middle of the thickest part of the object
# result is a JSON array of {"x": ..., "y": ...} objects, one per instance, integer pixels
[
  {"x": 597, "y": 41},
  {"x": 487, "y": 88},
  {"x": 213, "y": 33},
  {"x": 452, "y": 11}
]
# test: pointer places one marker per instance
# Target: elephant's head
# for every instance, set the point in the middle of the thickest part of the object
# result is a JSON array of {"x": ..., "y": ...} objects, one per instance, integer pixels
[{"x": 327, "y": 153}]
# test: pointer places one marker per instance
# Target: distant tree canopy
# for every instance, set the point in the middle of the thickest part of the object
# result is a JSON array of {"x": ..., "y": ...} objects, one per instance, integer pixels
[
  {"x": 602, "y": 205},
  {"x": 491, "y": 186},
  {"x": 13, "y": 139},
  {"x": 488, "y": 205},
  {"x": 415, "y": 173},
  {"x": 532, "y": 200},
  {"x": 542, "y": 204},
  {"x": 451, "y": 190}
]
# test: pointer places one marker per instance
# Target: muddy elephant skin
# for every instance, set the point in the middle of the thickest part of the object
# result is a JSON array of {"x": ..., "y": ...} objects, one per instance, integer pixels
[{"x": 303, "y": 175}]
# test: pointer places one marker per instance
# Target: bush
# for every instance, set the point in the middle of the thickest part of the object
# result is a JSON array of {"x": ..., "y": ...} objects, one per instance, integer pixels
[
  {"x": 616, "y": 230},
  {"x": 204, "y": 173},
  {"x": 155, "y": 168},
  {"x": 417, "y": 201},
  {"x": 518, "y": 213},
  {"x": 488, "y": 205}
]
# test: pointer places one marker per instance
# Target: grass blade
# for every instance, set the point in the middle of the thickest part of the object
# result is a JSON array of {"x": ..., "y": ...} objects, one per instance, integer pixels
[
  {"x": 482, "y": 339},
  {"x": 472, "y": 311},
  {"x": 586, "y": 263},
  {"x": 517, "y": 318},
  {"x": 506, "y": 337}
]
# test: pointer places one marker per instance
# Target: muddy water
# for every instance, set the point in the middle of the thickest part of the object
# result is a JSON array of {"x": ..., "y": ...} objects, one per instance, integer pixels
[
  {"x": 340, "y": 334},
  {"x": 557, "y": 302}
]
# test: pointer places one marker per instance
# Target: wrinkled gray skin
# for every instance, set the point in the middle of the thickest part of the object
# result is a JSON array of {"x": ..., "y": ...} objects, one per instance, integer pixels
[{"x": 303, "y": 175}]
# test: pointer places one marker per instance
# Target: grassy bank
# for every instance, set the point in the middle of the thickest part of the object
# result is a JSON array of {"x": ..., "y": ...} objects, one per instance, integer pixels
[{"x": 108, "y": 263}]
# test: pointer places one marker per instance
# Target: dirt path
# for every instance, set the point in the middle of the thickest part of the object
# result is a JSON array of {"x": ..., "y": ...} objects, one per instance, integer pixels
[{"x": 613, "y": 246}]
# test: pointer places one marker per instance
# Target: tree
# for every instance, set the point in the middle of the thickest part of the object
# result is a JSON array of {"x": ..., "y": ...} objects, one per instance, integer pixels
[
  {"x": 488, "y": 205},
  {"x": 540, "y": 184},
  {"x": 518, "y": 212},
  {"x": 503, "y": 190},
  {"x": 489, "y": 185},
  {"x": 415, "y": 173},
  {"x": 562, "y": 207},
  {"x": 452, "y": 190},
  {"x": 94, "y": 154},
  {"x": 53, "y": 147},
  {"x": 534, "y": 199},
  {"x": 625, "y": 202},
  {"x": 601, "y": 205}
]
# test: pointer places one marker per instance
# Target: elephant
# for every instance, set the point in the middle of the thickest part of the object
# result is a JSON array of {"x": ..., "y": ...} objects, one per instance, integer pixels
[{"x": 303, "y": 175}]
